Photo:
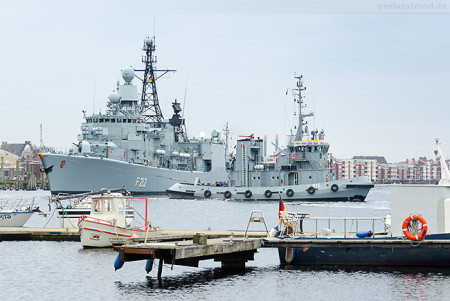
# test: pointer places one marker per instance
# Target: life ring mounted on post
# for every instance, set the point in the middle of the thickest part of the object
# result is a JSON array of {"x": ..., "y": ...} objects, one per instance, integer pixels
[{"x": 412, "y": 229}]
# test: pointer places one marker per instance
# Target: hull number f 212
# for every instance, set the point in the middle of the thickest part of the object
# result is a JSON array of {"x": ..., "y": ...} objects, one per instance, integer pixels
[{"x": 141, "y": 182}]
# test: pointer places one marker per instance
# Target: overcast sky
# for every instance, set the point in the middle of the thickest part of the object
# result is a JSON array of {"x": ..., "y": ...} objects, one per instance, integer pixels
[{"x": 377, "y": 73}]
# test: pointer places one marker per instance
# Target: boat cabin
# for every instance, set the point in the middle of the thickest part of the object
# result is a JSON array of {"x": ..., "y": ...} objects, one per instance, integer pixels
[{"x": 111, "y": 207}]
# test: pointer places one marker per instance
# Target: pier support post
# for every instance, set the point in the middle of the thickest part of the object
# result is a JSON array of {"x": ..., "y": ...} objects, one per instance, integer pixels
[
  {"x": 233, "y": 264},
  {"x": 160, "y": 268}
]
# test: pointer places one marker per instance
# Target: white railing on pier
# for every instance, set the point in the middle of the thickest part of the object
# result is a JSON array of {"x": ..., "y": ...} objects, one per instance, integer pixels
[{"x": 296, "y": 224}]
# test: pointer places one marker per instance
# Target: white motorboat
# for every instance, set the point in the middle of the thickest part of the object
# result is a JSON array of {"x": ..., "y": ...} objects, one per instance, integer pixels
[
  {"x": 70, "y": 208},
  {"x": 107, "y": 222},
  {"x": 17, "y": 212}
]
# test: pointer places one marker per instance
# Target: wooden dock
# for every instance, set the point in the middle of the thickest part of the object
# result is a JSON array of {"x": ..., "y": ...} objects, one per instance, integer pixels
[
  {"x": 233, "y": 248},
  {"x": 34, "y": 233},
  {"x": 232, "y": 251},
  {"x": 71, "y": 234}
]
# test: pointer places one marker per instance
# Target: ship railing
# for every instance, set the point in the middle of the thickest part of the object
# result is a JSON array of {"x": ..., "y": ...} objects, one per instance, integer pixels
[{"x": 295, "y": 223}]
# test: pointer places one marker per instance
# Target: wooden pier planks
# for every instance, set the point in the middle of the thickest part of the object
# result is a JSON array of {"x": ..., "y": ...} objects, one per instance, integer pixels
[
  {"x": 71, "y": 234},
  {"x": 34, "y": 233}
]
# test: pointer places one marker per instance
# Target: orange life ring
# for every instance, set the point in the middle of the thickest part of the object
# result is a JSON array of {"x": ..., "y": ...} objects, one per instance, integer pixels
[{"x": 422, "y": 233}]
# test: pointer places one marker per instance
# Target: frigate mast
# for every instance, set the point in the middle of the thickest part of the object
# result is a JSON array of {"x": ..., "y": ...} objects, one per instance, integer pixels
[
  {"x": 150, "y": 108},
  {"x": 301, "y": 116},
  {"x": 226, "y": 131}
]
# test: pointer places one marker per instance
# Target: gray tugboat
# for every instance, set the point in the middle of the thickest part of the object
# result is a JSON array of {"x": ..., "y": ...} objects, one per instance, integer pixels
[
  {"x": 132, "y": 145},
  {"x": 301, "y": 172}
]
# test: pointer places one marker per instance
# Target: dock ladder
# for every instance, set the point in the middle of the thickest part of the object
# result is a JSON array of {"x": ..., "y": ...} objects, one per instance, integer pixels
[{"x": 256, "y": 216}]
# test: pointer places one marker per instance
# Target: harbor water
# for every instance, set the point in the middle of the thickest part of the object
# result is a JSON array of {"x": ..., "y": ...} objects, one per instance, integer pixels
[{"x": 34, "y": 270}]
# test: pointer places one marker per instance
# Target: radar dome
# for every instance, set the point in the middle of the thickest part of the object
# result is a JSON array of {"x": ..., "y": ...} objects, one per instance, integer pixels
[
  {"x": 128, "y": 74},
  {"x": 148, "y": 41},
  {"x": 114, "y": 97}
]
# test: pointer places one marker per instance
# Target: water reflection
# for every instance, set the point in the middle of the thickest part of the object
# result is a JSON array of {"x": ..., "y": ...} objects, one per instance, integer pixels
[
  {"x": 187, "y": 280},
  {"x": 413, "y": 271}
]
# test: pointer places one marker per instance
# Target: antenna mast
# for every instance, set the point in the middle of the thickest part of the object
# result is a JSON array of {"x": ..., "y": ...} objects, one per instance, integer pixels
[
  {"x": 226, "y": 130},
  {"x": 301, "y": 115},
  {"x": 150, "y": 108}
]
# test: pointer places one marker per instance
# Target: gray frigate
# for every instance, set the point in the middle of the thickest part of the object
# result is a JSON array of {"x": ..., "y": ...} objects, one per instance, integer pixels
[{"x": 133, "y": 145}]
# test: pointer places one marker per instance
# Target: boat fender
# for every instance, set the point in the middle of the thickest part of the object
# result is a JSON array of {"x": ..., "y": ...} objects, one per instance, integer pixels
[
  {"x": 362, "y": 234},
  {"x": 274, "y": 232},
  {"x": 268, "y": 193},
  {"x": 248, "y": 194},
  {"x": 289, "y": 192},
  {"x": 207, "y": 193},
  {"x": 311, "y": 190},
  {"x": 149, "y": 265},
  {"x": 289, "y": 255},
  {"x": 406, "y": 227},
  {"x": 334, "y": 187},
  {"x": 118, "y": 263},
  {"x": 227, "y": 194}
]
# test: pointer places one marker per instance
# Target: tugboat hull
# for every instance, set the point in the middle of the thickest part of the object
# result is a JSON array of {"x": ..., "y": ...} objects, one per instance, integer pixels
[{"x": 355, "y": 189}]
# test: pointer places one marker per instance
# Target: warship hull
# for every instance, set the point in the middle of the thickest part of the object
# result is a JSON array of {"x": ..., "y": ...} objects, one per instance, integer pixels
[
  {"x": 77, "y": 174},
  {"x": 355, "y": 189}
]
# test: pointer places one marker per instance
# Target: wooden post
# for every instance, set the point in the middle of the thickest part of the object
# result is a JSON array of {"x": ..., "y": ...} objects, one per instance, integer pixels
[
  {"x": 17, "y": 175},
  {"x": 160, "y": 267},
  {"x": 1, "y": 171}
]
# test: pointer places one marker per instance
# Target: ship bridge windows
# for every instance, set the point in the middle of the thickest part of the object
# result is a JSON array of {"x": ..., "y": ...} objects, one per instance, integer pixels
[{"x": 309, "y": 148}]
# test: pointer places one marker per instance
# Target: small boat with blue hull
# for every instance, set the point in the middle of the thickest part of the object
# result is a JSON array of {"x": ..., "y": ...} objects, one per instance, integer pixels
[
  {"x": 434, "y": 251},
  {"x": 415, "y": 233}
]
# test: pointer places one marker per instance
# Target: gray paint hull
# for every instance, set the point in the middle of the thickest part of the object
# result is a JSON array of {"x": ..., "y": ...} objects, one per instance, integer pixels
[
  {"x": 355, "y": 189},
  {"x": 84, "y": 173}
]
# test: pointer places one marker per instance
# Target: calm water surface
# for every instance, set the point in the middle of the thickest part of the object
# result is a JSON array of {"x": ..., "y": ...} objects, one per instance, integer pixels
[{"x": 66, "y": 271}]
